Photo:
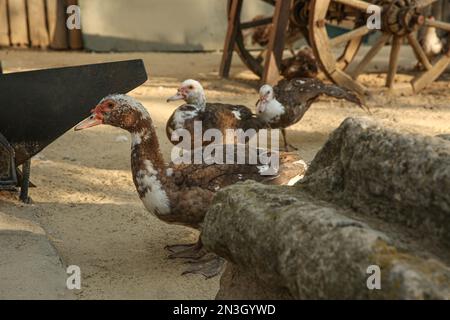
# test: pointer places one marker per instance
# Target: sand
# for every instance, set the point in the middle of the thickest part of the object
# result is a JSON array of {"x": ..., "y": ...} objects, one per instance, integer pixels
[{"x": 85, "y": 195}]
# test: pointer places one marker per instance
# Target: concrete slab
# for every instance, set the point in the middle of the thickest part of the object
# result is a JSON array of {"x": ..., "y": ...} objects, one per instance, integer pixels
[{"x": 30, "y": 267}]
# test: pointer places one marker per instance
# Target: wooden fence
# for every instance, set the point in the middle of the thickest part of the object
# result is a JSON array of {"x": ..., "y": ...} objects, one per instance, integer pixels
[{"x": 37, "y": 24}]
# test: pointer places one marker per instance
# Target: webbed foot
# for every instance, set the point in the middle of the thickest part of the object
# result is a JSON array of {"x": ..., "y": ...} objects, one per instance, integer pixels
[{"x": 209, "y": 266}]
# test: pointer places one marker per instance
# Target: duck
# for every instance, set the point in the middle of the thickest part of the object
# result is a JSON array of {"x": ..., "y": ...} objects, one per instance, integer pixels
[
  {"x": 431, "y": 43},
  {"x": 285, "y": 104},
  {"x": 211, "y": 115},
  {"x": 302, "y": 65},
  {"x": 182, "y": 193}
]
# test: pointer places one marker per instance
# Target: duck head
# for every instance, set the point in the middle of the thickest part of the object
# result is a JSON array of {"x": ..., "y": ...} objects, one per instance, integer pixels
[
  {"x": 191, "y": 91},
  {"x": 116, "y": 110},
  {"x": 266, "y": 95}
]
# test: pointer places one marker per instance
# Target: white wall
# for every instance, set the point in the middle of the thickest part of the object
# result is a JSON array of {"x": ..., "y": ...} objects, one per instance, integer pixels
[{"x": 161, "y": 25}]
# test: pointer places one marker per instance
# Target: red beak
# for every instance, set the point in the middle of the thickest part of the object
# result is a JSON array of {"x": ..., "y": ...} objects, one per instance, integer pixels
[{"x": 95, "y": 119}]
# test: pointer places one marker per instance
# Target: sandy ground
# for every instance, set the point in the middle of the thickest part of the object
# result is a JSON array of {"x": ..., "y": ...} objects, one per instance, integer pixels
[{"x": 86, "y": 199}]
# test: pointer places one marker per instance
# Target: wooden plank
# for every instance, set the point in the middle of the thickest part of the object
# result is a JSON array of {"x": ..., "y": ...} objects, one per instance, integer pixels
[
  {"x": 275, "y": 47},
  {"x": 230, "y": 38},
  {"x": 18, "y": 25},
  {"x": 75, "y": 35},
  {"x": 56, "y": 17},
  {"x": 4, "y": 25},
  {"x": 37, "y": 23},
  {"x": 393, "y": 61}
]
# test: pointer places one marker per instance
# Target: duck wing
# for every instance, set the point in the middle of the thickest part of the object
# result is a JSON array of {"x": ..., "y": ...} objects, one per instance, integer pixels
[
  {"x": 270, "y": 167},
  {"x": 297, "y": 96},
  {"x": 193, "y": 186},
  {"x": 229, "y": 116},
  {"x": 182, "y": 118}
]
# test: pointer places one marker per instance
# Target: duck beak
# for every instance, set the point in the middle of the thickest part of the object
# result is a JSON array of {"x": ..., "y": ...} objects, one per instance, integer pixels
[
  {"x": 92, "y": 121},
  {"x": 176, "y": 97}
]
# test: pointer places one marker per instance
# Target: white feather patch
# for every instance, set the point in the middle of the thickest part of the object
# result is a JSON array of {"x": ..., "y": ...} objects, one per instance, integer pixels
[
  {"x": 237, "y": 114},
  {"x": 180, "y": 117},
  {"x": 295, "y": 179},
  {"x": 155, "y": 198},
  {"x": 273, "y": 110}
]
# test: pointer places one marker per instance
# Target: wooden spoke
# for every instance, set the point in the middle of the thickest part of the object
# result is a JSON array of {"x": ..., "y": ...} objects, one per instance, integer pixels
[
  {"x": 426, "y": 78},
  {"x": 350, "y": 52},
  {"x": 438, "y": 24},
  {"x": 370, "y": 55},
  {"x": 393, "y": 61},
  {"x": 232, "y": 33},
  {"x": 275, "y": 47},
  {"x": 358, "y": 32},
  {"x": 420, "y": 54},
  {"x": 357, "y": 4},
  {"x": 424, "y": 3},
  {"x": 256, "y": 23}
]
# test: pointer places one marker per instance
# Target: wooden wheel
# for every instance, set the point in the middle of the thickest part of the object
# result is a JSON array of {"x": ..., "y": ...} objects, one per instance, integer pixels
[
  {"x": 298, "y": 27},
  {"x": 253, "y": 63},
  {"x": 400, "y": 19}
]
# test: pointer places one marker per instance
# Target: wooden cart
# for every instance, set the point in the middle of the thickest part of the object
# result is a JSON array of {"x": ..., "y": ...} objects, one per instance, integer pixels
[{"x": 401, "y": 19}]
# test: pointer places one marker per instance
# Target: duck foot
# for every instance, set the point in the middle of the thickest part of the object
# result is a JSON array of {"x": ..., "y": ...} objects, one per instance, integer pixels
[
  {"x": 210, "y": 266},
  {"x": 192, "y": 251},
  {"x": 287, "y": 145}
]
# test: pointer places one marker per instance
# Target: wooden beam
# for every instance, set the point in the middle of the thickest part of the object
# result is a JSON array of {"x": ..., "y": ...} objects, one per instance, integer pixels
[
  {"x": 393, "y": 61},
  {"x": 426, "y": 78},
  {"x": 357, "y": 4},
  {"x": 256, "y": 23},
  {"x": 56, "y": 16},
  {"x": 230, "y": 38},
  {"x": 420, "y": 54},
  {"x": 438, "y": 24},
  {"x": 275, "y": 47},
  {"x": 18, "y": 25},
  {"x": 37, "y": 24},
  {"x": 4, "y": 24},
  {"x": 424, "y": 3}
]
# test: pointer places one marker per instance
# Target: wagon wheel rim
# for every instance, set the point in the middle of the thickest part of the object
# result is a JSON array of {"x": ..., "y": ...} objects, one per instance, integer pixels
[
  {"x": 257, "y": 66},
  {"x": 323, "y": 45}
]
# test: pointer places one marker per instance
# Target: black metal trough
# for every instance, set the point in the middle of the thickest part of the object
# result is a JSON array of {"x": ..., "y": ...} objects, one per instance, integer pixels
[{"x": 37, "y": 107}]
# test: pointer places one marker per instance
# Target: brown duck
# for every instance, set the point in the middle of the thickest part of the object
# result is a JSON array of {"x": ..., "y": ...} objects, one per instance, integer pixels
[
  {"x": 211, "y": 115},
  {"x": 302, "y": 65},
  {"x": 181, "y": 194},
  {"x": 286, "y": 103}
]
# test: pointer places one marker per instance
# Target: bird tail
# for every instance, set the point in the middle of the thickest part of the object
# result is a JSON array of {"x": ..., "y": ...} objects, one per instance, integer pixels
[
  {"x": 254, "y": 123},
  {"x": 334, "y": 91}
]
